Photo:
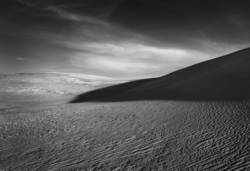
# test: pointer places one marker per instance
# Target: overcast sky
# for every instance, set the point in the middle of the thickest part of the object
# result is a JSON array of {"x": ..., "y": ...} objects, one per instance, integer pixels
[{"x": 118, "y": 38}]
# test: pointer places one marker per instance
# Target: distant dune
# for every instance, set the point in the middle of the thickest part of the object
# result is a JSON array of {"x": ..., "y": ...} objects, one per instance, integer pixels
[
  {"x": 223, "y": 78},
  {"x": 20, "y": 88},
  {"x": 51, "y": 84}
]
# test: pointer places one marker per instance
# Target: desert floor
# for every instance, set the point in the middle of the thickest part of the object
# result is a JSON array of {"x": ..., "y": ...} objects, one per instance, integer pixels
[
  {"x": 51, "y": 134},
  {"x": 158, "y": 135}
]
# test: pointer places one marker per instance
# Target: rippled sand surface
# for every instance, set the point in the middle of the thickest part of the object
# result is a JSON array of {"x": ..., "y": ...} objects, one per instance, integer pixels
[{"x": 159, "y": 135}]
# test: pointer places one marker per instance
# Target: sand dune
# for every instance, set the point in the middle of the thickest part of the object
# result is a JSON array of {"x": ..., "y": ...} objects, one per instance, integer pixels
[
  {"x": 199, "y": 128},
  {"x": 223, "y": 78}
]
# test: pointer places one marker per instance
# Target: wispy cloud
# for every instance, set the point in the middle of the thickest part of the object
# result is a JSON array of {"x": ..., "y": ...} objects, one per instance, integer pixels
[
  {"x": 64, "y": 14},
  {"x": 133, "y": 58},
  {"x": 110, "y": 38}
]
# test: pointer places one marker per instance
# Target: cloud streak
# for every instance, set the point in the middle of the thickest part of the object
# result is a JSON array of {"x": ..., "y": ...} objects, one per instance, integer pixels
[
  {"x": 118, "y": 38},
  {"x": 130, "y": 58},
  {"x": 64, "y": 14}
]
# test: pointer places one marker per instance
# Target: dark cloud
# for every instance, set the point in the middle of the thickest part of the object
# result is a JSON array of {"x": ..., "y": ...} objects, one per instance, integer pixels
[
  {"x": 221, "y": 20},
  {"x": 72, "y": 35}
]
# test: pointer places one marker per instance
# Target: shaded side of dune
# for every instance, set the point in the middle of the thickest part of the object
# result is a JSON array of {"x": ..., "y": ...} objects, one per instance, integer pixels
[
  {"x": 108, "y": 93},
  {"x": 224, "y": 78}
]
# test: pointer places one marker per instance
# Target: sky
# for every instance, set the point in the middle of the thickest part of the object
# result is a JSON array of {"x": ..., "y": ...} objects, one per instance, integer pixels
[{"x": 118, "y": 38}]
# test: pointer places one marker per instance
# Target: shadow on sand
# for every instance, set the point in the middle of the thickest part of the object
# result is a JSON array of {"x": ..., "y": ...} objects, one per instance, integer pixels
[{"x": 226, "y": 78}]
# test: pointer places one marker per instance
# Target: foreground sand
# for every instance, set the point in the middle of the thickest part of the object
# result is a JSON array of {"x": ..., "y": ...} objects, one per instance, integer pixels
[{"x": 142, "y": 135}]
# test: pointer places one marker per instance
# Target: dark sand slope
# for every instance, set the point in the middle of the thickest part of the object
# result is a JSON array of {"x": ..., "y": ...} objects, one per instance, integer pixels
[
  {"x": 224, "y": 78},
  {"x": 195, "y": 130}
]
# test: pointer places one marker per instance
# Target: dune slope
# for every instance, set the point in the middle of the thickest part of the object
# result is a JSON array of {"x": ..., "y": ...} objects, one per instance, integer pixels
[{"x": 223, "y": 78}]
